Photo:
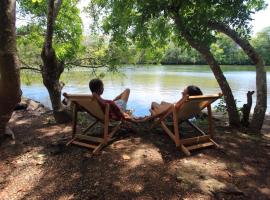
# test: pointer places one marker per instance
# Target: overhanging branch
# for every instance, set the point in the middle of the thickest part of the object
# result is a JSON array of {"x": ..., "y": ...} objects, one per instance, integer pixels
[{"x": 28, "y": 67}]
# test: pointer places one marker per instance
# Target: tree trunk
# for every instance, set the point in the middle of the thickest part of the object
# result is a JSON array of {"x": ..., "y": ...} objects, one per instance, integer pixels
[
  {"x": 234, "y": 118},
  {"x": 261, "y": 86},
  {"x": 246, "y": 109},
  {"x": 52, "y": 68},
  {"x": 10, "y": 93}
]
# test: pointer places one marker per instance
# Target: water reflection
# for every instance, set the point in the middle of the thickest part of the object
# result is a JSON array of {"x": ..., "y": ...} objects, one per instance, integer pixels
[{"x": 153, "y": 83}]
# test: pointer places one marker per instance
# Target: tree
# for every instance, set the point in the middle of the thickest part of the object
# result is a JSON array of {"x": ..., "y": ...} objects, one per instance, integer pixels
[
  {"x": 204, "y": 50},
  {"x": 154, "y": 23},
  {"x": 10, "y": 93},
  {"x": 261, "y": 104},
  {"x": 61, "y": 43}
]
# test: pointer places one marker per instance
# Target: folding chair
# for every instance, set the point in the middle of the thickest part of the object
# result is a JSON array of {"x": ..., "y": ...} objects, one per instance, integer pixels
[
  {"x": 90, "y": 105},
  {"x": 182, "y": 111}
]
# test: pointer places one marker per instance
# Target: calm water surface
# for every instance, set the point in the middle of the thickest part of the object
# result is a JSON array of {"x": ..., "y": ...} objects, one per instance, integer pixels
[{"x": 151, "y": 83}]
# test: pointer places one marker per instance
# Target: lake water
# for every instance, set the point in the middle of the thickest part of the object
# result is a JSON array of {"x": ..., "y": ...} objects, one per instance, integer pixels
[{"x": 151, "y": 83}]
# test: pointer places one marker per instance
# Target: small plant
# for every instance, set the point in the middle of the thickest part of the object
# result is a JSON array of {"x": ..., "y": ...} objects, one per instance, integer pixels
[{"x": 221, "y": 107}]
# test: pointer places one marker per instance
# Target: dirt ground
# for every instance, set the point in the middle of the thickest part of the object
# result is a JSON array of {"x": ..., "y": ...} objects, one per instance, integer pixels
[{"x": 139, "y": 164}]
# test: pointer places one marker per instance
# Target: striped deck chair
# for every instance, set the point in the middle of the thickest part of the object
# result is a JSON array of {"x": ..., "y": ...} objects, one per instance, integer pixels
[
  {"x": 90, "y": 105},
  {"x": 182, "y": 111}
]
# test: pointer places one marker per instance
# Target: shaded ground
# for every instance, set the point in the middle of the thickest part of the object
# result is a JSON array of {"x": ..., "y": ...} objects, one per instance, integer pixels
[{"x": 138, "y": 165}]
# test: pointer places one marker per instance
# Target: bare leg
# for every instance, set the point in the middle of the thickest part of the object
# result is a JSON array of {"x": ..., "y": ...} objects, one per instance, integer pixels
[
  {"x": 155, "y": 105},
  {"x": 124, "y": 95},
  {"x": 165, "y": 103},
  {"x": 159, "y": 108}
]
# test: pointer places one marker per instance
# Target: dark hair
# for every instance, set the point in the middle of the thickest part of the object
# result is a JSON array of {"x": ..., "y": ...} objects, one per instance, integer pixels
[
  {"x": 95, "y": 85},
  {"x": 193, "y": 90}
]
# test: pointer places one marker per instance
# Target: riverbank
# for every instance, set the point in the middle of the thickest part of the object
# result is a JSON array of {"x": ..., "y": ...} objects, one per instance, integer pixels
[{"x": 138, "y": 165}]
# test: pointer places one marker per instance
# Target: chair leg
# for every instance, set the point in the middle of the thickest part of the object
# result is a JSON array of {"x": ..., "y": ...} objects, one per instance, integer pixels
[
  {"x": 176, "y": 128},
  {"x": 210, "y": 125},
  {"x": 74, "y": 124},
  {"x": 185, "y": 150},
  {"x": 106, "y": 124}
]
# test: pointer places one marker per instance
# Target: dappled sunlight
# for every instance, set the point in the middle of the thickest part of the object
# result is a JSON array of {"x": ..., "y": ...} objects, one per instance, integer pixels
[
  {"x": 21, "y": 173},
  {"x": 136, "y": 165},
  {"x": 66, "y": 196},
  {"x": 23, "y": 122},
  {"x": 250, "y": 170},
  {"x": 131, "y": 187},
  {"x": 143, "y": 155},
  {"x": 54, "y": 130},
  {"x": 197, "y": 173}
]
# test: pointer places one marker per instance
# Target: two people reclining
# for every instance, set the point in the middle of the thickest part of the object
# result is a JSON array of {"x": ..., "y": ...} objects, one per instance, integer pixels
[{"x": 118, "y": 106}]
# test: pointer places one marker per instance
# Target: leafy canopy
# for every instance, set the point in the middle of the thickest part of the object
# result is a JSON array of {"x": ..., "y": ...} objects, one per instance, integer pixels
[
  {"x": 150, "y": 22},
  {"x": 67, "y": 30}
]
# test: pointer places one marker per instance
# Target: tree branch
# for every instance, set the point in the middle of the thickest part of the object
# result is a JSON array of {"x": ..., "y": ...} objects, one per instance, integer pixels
[
  {"x": 87, "y": 66},
  {"x": 28, "y": 67},
  {"x": 31, "y": 68}
]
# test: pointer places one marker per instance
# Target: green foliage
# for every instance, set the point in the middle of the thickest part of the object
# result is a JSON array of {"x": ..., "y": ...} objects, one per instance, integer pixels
[
  {"x": 221, "y": 107},
  {"x": 262, "y": 44},
  {"x": 227, "y": 52},
  {"x": 181, "y": 55},
  {"x": 126, "y": 21},
  {"x": 68, "y": 27},
  {"x": 29, "y": 44},
  {"x": 151, "y": 23}
]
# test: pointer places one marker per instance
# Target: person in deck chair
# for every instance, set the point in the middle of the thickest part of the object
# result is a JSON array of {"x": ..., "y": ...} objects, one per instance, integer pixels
[
  {"x": 190, "y": 90},
  {"x": 118, "y": 105}
]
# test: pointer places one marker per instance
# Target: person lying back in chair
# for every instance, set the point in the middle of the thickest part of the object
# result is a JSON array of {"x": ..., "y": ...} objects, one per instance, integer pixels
[
  {"x": 190, "y": 90},
  {"x": 117, "y": 106}
]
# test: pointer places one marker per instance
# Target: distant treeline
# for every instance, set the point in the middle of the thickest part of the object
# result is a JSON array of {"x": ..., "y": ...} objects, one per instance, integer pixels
[
  {"x": 226, "y": 51},
  {"x": 101, "y": 52}
]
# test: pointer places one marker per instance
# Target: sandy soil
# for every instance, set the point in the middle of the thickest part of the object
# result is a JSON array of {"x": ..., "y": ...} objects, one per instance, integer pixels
[{"x": 139, "y": 164}]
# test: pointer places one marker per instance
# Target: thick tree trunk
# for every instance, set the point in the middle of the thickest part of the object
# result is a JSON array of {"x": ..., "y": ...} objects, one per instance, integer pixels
[
  {"x": 261, "y": 86},
  {"x": 52, "y": 68},
  {"x": 234, "y": 118},
  {"x": 10, "y": 93}
]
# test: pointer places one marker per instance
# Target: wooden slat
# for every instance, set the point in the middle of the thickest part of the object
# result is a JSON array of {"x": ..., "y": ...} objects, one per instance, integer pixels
[
  {"x": 196, "y": 127},
  {"x": 210, "y": 125},
  {"x": 84, "y": 144},
  {"x": 198, "y": 146},
  {"x": 114, "y": 130},
  {"x": 74, "y": 123},
  {"x": 175, "y": 126},
  {"x": 89, "y": 138},
  {"x": 98, "y": 148},
  {"x": 90, "y": 126},
  {"x": 185, "y": 150},
  {"x": 69, "y": 142},
  {"x": 206, "y": 97},
  {"x": 203, "y": 138},
  {"x": 216, "y": 144},
  {"x": 168, "y": 131}
]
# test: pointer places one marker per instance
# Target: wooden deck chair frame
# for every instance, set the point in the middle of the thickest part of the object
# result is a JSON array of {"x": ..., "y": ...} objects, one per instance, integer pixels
[
  {"x": 189, "y": 144},
  {"x": 98, "y": 115}
]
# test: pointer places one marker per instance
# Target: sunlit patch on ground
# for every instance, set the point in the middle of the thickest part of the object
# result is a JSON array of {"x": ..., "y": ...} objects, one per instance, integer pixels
[{"x": 137, "y": 165}]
